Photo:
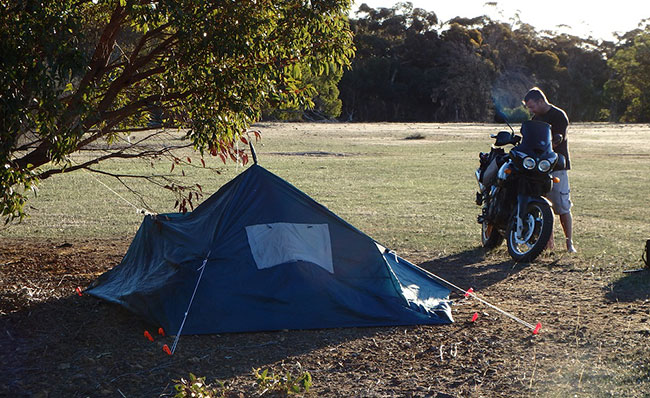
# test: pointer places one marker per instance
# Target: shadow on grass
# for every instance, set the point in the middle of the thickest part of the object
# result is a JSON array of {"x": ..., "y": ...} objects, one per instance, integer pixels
[
  {"x": 474, "y": 268},
  {"x": 82, "y": 346},
  {"x": 631, "y": 287}
]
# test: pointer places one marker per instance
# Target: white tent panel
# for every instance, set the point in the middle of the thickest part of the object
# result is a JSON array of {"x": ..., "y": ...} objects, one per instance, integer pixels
[{"x": 280, "y": 243}]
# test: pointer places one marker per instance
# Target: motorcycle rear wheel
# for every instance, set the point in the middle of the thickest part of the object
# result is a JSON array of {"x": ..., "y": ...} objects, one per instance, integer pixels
[
  {"x": 538, "y": 227},
  {"x": 490, "y": 237}
]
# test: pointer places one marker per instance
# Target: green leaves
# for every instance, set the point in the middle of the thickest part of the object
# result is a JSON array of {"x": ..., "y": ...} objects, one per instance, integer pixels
[
  {"x": 630, "y": 84},
  {"x": 74, "y": 73},
  {"x": 289, "y": 383},
  {"x": 268, "y": 384},
  {"x": 196, "y": 387},
  {"x": 14, "y": 187}
]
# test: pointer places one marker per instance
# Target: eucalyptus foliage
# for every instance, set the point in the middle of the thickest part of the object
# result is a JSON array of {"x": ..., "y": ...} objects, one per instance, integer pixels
[
  {"x": 73, "y": 73},
  {"x": 629, "y": 89},
  {"x": 410, "y": 66}
]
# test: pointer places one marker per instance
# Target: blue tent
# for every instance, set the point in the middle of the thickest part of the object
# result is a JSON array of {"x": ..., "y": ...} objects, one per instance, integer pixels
[{"x": 259, "y": 255}]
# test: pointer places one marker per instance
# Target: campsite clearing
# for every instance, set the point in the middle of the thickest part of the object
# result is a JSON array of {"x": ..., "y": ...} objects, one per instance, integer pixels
[{"x": 413, "y": 195}]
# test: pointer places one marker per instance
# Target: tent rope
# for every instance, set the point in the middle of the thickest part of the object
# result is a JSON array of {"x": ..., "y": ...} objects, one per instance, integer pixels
[
  {"x": 137, "y": 209},
  {"x": 178, "y": 335},
  {"x": 470, "y": 293}
]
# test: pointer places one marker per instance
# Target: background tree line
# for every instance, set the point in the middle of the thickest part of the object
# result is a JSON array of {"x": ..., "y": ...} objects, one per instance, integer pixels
[{"x": 410, "y": 67}]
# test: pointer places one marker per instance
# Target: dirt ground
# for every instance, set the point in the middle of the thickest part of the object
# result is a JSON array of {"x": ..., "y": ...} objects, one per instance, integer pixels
[{"x": 594, "y": 341}]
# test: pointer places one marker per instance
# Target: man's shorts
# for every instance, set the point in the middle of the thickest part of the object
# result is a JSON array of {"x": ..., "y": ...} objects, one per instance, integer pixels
[{"x": 560, "y": 195}]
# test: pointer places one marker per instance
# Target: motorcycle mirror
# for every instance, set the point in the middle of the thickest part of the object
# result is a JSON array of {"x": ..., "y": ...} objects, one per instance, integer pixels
[
  {"x": 500, "y": 117},
  {"x": 504, "y": 138}
]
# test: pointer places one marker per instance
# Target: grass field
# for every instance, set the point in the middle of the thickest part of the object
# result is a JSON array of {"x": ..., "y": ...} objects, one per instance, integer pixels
[
  {"x": 409, "y": 186},
  {"x": 412, "y": 194}
]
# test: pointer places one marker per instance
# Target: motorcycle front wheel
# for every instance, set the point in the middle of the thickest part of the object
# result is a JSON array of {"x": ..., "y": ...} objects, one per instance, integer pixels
[
  {"x": 538, "y": 227},
  {"x": 490, "y": 237}
]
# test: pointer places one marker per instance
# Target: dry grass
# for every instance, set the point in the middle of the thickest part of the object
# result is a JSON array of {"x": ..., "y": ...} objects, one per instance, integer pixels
[{"x": 415, "y": 196}]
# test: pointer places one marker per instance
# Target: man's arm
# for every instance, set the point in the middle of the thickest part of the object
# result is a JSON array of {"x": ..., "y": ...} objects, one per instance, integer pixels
[{"x": 559, "y": 127}]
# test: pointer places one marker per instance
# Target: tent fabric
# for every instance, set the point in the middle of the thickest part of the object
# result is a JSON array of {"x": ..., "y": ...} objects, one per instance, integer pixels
[{"x": 274, "y": 259}]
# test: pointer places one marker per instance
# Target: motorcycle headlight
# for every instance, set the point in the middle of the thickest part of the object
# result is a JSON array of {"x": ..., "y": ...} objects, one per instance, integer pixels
[
  {"x": 544, "y": 166},
  {"x": 529, "y": 163}
]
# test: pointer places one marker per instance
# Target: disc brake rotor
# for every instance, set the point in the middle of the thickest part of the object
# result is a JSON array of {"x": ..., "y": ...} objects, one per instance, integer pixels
[{"x": 529, "y": 228}]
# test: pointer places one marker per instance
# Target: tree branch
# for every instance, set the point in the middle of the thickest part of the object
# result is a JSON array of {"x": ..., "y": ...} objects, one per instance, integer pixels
[
  {"x": 115, "y": 117},
  {"x": 39, "y": 156},
  {"x": 28, "y": 145},
  {"x": 134, "y": 192},
  {"x": 148, "y": 36},
  {"x": 102, "y": 53},
  {"x": 112, "y": 155},
  {"x": 125, "y": 80},
  {"x": 130, "y": 109},
  {"x": 126, "y": 130},
  {"x": 118, "y": 176}
]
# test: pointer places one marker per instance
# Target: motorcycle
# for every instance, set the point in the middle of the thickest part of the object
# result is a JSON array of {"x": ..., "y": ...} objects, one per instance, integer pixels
[{"x": 512, "y": 186}]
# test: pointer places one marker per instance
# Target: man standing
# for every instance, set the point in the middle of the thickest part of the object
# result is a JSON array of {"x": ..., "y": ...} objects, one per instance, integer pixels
[{"x": 560, "y": 196}]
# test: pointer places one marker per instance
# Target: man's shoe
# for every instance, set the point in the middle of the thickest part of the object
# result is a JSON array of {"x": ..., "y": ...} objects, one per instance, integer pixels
[{"x": 569, "y": 246}]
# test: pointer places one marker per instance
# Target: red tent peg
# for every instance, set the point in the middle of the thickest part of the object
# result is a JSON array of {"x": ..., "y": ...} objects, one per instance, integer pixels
[
  {"x": 161, "y": 332},
  {"x": 469, "y": 291},
  {"x": 474, "y": 317},
  {"x": 148, "y": 335},
  {"x": 167, "y": 350},
  {"x": 537, "y": 327},
  {"x": 78, "y": 290}
]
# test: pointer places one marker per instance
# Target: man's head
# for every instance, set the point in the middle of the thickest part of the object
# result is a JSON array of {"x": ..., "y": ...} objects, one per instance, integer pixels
[{"x": 536, "y": 101}]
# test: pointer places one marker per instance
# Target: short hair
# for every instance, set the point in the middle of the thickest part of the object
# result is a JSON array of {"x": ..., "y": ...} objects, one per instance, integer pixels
[{"x": 535, "y": 94}]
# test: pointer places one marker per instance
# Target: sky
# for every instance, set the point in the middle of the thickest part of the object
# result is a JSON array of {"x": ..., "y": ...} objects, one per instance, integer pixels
[{"x": 595, "y": 18}]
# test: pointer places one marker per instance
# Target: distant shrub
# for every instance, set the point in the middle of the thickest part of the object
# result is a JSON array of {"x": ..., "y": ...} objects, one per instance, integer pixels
[
  {"x": 516, "y": 115},
  {"x": 604, "y": 115},
  {"x": 415, "y": 136}
]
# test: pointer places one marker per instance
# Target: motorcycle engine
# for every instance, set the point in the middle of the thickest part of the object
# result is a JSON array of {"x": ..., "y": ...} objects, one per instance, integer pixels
[{"x": 496, "y": 209}]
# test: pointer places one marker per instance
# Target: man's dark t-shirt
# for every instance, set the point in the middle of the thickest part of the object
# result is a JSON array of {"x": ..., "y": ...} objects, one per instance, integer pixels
[{"x": 559, "y": 123}]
